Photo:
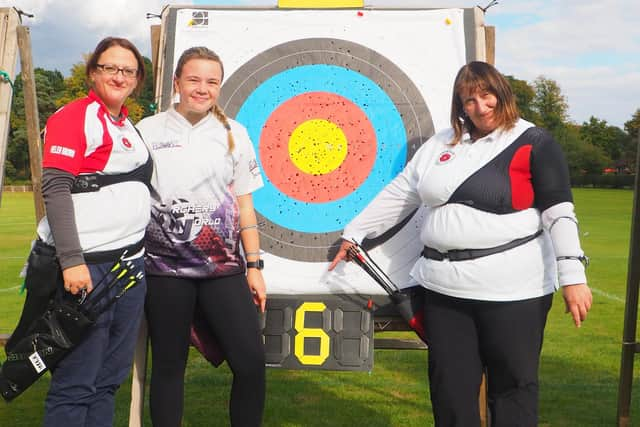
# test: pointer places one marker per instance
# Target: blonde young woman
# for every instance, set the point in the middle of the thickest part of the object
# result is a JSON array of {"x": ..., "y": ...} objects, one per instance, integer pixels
[{"x": 202, "y": 216}]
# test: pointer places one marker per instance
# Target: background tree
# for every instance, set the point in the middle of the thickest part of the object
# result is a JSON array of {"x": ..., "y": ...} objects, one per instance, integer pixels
[
  {"x": 611, "y": 139},
  {"x": 49, "y": 86},
  {"x": 524, "y": 94},
  {"x": 633, "y": 129},
  {"x": 633, "y": 126},
  {"x": 75, "y": 86},
  {"x": 550, "y": 104},
  {"x": 147, "y": 96},
  {"x": 583, "y": 158}
]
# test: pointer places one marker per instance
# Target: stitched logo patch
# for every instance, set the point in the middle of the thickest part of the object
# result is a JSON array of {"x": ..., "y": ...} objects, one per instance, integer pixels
[
  {"x": 445, "y": 157},
  {"x": 64, "y": 151}
]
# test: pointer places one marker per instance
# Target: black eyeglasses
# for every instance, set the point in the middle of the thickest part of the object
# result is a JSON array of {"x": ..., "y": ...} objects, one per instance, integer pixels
[{"x": 112, "y": 69}]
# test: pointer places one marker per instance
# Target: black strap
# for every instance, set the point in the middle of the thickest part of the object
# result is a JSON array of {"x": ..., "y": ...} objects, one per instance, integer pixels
[
  {"x": 89, "y": 183},
  {"x": 101, "y": 256},
  {"x": 112, "y": 255},
  {"x": 467, "y": 254}
]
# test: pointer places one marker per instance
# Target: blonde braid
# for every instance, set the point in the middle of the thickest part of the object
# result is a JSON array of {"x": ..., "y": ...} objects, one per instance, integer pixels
[{"x": 219, "y": 113}]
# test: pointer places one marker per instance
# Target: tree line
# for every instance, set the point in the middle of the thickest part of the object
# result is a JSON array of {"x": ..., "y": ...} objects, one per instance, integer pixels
[{"x": 592, "y": 148}]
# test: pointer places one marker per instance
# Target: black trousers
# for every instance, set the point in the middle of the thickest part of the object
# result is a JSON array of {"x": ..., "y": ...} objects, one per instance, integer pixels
[
  {"x": 466, "y": 336},
  {"x": 228, "y": 308}
]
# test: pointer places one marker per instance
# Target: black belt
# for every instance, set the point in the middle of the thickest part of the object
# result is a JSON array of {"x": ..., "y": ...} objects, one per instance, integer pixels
[
  {"x": 89, "y": 183},
  {"x": 98, "y": 257},
  {"x": 112, "y": 255},
  {"x": 467, "y": 254}
]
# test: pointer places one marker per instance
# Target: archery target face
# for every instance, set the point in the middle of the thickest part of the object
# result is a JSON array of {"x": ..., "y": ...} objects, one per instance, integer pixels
[
  {"x": 335, "y": 107},
  {"x": 332, "y": 122}
]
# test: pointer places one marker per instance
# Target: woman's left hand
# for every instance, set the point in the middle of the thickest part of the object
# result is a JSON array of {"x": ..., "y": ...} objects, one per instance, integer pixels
[
  {"x": 257, "y": 287},
  {"x": 577, "y": 301}
]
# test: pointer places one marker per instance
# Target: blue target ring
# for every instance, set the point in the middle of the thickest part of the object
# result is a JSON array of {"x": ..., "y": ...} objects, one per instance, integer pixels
[
  {"x": 371, "y": 99},
  {"x": 396, "y": 115}
]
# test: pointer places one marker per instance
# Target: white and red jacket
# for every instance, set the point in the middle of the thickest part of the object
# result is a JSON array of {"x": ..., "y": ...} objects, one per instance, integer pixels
[
  {"x": 83, "y": 138},
  {"x": 482, "y": 194}
]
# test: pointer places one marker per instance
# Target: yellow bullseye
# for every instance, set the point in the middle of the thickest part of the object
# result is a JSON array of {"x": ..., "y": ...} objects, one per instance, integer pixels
[{"x": 317, "y": 147}]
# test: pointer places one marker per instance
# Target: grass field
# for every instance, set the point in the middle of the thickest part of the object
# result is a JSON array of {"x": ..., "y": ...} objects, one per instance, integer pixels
[{"x": 579, "y": 367}]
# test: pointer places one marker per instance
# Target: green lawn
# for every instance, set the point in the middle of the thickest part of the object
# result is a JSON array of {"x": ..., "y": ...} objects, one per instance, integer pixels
[{"x": 579, "y": 372}]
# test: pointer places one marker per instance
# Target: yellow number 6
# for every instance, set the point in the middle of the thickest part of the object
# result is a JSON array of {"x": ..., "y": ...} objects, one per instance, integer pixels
[{"x": 310, "y": 359}]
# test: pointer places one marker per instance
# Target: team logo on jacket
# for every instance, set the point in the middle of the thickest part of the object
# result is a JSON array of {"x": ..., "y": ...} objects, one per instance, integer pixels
[
  {"x": 445, "y": 157},
  {"x": 253, "y": 167},
  {"x": 127, "y": 144}
]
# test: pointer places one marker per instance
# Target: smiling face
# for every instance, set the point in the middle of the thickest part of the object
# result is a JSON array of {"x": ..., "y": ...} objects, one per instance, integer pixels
[
  {"x": 114, "y": 89},
  {"x": 480, "y": 106},
  {"x": 199, "y": 87}
]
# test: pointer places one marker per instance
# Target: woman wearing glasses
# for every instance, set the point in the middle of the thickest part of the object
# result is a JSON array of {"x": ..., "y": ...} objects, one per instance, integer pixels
[{"x": 91, "y": 140}]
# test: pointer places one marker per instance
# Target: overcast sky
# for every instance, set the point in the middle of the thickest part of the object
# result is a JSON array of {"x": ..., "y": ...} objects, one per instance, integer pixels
[{"x": 591, "y": 49}]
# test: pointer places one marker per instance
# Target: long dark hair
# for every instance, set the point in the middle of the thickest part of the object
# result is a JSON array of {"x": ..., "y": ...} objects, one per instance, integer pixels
[{"x": 475, "y": 76}]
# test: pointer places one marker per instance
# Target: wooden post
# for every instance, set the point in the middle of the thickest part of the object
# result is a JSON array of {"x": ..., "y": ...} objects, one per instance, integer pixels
[
  {"x": 483, "y": 403},
  {"x": 630, "y": 346},
  {"x": 158, "y": 43},
  {"x": 480, "y": 42},
  {"x": 9, "y": 20},
  {"x": 156, "y": 31},
  {"x": 490, "y": 42},
  {"x": 32, "y": 118},
  {"x": 139, "y": 377},
  {"x": 155, "y": 50}
]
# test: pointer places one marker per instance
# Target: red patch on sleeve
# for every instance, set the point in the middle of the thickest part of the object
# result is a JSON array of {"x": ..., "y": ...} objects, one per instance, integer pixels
[
  {"x": 64, "y": 139},
  {"x": 520, "y": 175}
]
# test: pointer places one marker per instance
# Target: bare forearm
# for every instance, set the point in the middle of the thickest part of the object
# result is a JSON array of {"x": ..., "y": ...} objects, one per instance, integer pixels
[{"x": 249, "y": 234}]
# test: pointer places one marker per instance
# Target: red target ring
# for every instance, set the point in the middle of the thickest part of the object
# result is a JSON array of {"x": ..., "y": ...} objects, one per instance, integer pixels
[{"x": 326, "y": 178}]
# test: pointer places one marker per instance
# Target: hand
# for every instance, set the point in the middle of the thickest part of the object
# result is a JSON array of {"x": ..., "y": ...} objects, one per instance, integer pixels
[
  {"x": 257, "y": 287},
  {"x": 342, "y": 254},
  {"x": 577, "y": 301},
  {"x": 77, "y": 278}
]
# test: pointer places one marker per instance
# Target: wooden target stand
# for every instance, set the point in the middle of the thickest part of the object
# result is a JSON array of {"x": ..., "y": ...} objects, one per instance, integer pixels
[
  {"x": 486, "y": 43},
  {"x": 15, "y": 39}
]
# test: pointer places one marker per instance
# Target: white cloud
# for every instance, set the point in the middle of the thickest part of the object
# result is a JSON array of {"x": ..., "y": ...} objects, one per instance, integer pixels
[
  {"x": 567, "y": 28},
  {"x": 62, "y": 31},
  {"x": 591, "y": 49}
]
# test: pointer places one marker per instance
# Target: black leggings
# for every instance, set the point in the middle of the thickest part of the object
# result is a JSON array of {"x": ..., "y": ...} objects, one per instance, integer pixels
[{"x": 228, "y": 308}]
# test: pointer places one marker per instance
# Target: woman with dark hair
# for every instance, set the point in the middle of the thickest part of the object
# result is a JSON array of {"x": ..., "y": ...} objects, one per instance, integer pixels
[
  {"x": 95, "y": 175},
  {"x": 203, "y": 249},
  {"x": 500, "y": 236}
]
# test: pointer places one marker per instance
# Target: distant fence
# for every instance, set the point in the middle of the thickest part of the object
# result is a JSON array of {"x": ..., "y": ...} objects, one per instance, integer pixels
[
  {"x": 17, "y": 188},
  {"x": 603, "y": 181}
]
